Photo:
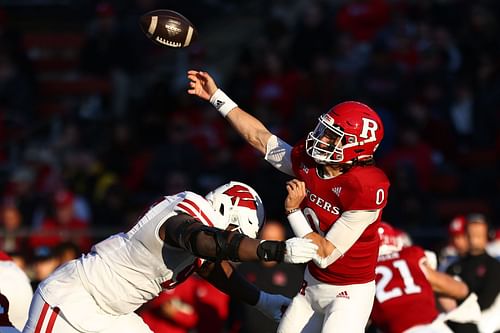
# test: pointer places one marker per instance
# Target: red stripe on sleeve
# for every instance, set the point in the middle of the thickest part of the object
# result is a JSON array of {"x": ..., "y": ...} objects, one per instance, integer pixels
[
  {"x": 192, "y": 203},
  {"x": 52, "y": 320},
  {"x": 199, "y": 213},
  {"x": 41, "y": 318}
]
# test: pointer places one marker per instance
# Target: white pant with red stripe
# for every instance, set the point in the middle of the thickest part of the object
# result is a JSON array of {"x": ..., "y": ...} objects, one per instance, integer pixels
[
  {"x": 44, "y": 318},
  {"x": 328, "y": 308}
]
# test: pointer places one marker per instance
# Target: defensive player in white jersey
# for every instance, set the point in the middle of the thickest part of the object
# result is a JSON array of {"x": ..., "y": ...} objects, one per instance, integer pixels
[
  {"x": 100, "y": 291},
  {"x": 16, "y": 288},
  {"x": 336, "y": 200}
]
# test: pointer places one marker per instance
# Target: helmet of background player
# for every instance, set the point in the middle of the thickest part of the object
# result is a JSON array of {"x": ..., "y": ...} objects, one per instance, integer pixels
[
  {"x": 404, "y": 237},
  {"x": 389, "y": 239},
  {"x": 349, "y": 132},
  {"x": 240, "y": 205}
]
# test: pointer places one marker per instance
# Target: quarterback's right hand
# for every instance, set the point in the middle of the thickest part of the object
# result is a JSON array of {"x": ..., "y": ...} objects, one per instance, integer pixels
[
  {"x": 299, "y": 250},
  {"x": 201, "y": 84}
]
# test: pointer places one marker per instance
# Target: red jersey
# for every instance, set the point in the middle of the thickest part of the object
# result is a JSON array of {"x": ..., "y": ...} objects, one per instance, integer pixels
[
  {"x": 404, "y": 297},
  {"x": 185, "y": 317},
  {"x": 360, "y": 188}
]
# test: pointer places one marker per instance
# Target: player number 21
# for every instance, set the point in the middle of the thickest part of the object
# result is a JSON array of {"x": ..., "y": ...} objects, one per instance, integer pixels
[{"x": 410, "y": 287}]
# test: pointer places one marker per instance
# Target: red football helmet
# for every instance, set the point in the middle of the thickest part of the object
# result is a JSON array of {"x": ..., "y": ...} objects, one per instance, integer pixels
[
  {"x": 390, "y": 240},
  {"x": 350, "y": 131}
]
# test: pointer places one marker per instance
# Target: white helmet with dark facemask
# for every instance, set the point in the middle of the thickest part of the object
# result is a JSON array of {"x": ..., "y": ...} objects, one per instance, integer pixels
[{"x": 240, "y": 205}]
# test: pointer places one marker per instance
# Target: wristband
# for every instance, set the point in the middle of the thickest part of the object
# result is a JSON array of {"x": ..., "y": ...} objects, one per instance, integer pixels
[
  {"x": 299, "y": 224},
  {"x": 290, "y": 211},
  {"x": 222, "y": 102}
]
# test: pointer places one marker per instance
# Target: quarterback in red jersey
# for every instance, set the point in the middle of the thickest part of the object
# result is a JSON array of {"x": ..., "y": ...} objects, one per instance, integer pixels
[
  {"x": 404, "y": 300},
  {"x": 336, "y": 199}
]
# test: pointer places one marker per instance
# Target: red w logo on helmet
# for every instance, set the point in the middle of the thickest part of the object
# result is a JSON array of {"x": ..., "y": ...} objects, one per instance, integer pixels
[{"x": 246, "y": 198}]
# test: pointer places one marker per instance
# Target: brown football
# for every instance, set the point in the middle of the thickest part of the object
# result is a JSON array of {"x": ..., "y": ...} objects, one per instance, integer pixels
[{"x": 168, "y": 28}]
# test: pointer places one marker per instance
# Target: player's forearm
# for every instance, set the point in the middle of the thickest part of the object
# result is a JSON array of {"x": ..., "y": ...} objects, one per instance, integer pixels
[
  {"x": 446, "y": 285},
  {"x": 325, "y": 247},
  {"x": 250, "y": 128}
]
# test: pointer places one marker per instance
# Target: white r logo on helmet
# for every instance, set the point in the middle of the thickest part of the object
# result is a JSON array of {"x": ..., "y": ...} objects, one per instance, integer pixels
[{"x": 369, "y": 125}]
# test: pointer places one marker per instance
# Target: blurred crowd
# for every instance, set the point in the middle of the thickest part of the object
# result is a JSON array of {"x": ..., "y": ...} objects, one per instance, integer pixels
[{"x": 72, "y": 176}]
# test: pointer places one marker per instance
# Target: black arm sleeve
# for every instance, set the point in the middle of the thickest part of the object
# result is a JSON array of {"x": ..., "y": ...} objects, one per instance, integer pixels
[{"x": 206, "y": 242}]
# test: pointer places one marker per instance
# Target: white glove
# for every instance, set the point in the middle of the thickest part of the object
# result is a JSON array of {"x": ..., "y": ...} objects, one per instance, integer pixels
[
  {"x": 272, "y": 305},
  {"x": 299, "y": 250}
]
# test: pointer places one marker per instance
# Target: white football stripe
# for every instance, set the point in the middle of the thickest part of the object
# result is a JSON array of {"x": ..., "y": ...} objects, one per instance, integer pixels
[
  {"x": 188, "y": 36},
  {"x": 152, "y": 24}
]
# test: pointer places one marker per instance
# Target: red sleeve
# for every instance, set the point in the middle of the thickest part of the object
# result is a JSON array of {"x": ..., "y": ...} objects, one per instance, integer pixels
[{"x": 416, "y": 252}]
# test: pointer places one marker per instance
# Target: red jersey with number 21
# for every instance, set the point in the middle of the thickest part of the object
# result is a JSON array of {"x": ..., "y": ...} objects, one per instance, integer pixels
[
  {"x": 360, "y": 188},
  {"x": 404, "y": 298}
]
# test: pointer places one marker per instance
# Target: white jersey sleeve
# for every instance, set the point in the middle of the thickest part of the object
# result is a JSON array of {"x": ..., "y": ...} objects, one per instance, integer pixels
[
  {"x": 127, "y": 269},
  {"x": 279, "y": 155},
  {"x": 345, "y": 232}
]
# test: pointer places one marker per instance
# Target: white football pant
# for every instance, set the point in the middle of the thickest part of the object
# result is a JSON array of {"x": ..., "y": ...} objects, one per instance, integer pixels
[
  {"x": 44, "y": 318},
  {"x": 327, "y": 308}
]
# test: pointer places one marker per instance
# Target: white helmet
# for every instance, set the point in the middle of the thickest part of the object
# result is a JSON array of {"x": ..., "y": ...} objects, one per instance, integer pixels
[{"x": 240, "y": 205}]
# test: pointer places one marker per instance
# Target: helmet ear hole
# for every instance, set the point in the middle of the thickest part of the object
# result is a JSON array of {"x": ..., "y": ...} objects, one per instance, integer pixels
[{"x": 221, "y": 209}]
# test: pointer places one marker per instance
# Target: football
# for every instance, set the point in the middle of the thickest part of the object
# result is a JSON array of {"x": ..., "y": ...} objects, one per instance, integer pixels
[{"x": 168, "y": 28}]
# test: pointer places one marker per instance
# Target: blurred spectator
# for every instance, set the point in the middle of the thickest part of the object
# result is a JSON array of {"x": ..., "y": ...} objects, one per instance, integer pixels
[
  {"x": 20, "y": 259},
  {"x": 45, "y": 261},
  {"x": 107, "y": 53},
  {"x": 67, "y": 251},
  {"x": 276, "y": 85},
  {"x": 21, "y": 189},
  {"x": 457, "y": 246},
  {"x": 481, "y": 273},
  {"x": 176, "y": 152},
  {"x": 63, "y": 225},
  {"x": 493, "y": 247},
  {"x": 173, "y": 310},
  {"x": 15, "y": 286},
  {"x": 16, "y": 95},
  {"x": 363, "y": 19},
  {"x": 314, "y": 28},
  {"x": 13, "y": 237},
  {"x": 276, "y": 278}
]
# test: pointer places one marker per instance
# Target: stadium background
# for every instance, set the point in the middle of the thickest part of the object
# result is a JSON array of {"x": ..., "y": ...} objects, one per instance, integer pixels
[{"x": 89, "y": 106}]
